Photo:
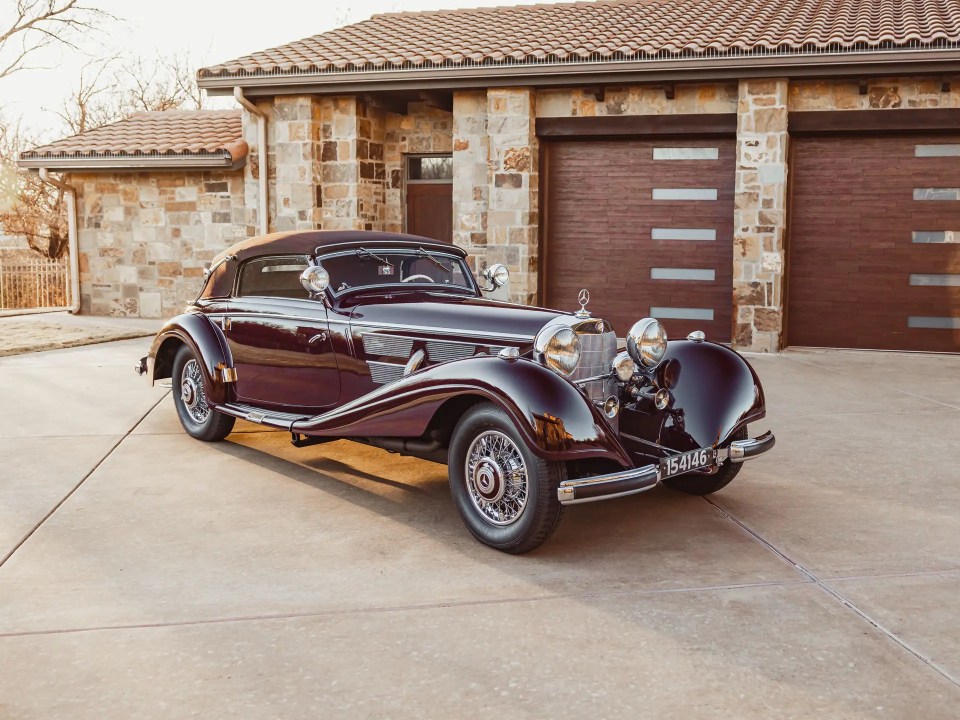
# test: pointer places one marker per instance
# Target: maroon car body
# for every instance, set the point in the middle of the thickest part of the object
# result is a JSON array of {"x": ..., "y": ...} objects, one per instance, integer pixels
[{"x": 401, "y": 360}]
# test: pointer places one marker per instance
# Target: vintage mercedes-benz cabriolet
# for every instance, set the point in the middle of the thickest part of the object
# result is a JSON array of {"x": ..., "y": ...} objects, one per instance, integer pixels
[{"x": 388, "y": 340}]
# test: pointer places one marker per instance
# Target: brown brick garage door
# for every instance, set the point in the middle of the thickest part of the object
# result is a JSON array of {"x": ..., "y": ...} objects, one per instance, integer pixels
[
  {"x": 646, "y": 226},
  {"x": 874, "y": 243}
]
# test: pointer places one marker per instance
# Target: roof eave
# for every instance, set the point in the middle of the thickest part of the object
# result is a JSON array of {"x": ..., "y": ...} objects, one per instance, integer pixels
[
  {"x": 565, "y": 74},
  {"x": 75, "y": 163}
]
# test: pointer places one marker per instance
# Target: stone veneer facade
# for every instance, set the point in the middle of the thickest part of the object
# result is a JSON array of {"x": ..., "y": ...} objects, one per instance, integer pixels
[
  {"x": 338, "y": 163},
  {"x": 145, "y": 238}
]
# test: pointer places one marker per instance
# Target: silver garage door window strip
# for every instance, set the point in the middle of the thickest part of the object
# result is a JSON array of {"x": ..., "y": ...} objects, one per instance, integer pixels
[
  {"x": 937, "y": 151},
  {"x": 936, "y": 236},
  {"x": 686, "y": 193},
  {"x": 682, "y": 274},
  {"x": 679, "y": 313},
  {"x": 686, "y": 153},
  {"x": 699, "y": 234},
  {"x": 923, "y": 322},
  {"x": 930, "y": 193},
  {"x": 925, "y": 280}
]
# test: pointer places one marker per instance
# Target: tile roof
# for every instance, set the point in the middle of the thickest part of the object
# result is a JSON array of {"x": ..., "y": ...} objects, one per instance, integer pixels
[
  {"x": 608, "y": 30},
  {"x": 172, "y": 137}
]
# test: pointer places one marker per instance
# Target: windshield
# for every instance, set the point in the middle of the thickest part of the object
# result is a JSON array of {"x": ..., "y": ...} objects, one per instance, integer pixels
[{"x": 376, "y": 267}]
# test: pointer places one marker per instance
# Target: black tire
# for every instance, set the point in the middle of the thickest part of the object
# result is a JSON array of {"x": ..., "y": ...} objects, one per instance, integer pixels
[
  {"x": 214, "y": 425},
  {"x": 696, "y": 484},
  {"x": 536, "y": 516}
]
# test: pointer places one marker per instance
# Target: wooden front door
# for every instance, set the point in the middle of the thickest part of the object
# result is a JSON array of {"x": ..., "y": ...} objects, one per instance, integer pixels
[
  {"x": 874, "y": 259},
  {"x": 430, "y": 197}
]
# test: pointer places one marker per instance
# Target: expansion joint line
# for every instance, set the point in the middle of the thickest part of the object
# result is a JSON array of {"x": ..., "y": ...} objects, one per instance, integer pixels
[
  {"x": 81, "y": 482},
  {"x": 838, "y": 596}
]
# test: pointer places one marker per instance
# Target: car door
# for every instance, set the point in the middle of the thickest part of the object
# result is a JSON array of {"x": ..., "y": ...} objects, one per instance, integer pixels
[{"x": 280, "y": 339}]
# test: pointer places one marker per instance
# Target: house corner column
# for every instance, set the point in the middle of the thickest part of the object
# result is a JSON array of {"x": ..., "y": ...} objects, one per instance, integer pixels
[
  {"x": 760, "y": 215},
  {"x": 296, "y": 131},
  {"x": 513, "y": 188},
  {"x": 471, "y": 146}
]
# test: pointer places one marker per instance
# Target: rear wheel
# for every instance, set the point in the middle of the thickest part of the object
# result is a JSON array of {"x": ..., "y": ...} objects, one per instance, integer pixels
[
  {"x": 190, "y": 397},
  {"x": 506, "y": 495},
  {"x": 699, "y": 484}
]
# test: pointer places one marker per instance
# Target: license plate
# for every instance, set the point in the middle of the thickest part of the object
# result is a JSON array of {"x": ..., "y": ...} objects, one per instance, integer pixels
[{"x": 687, "y": 462}]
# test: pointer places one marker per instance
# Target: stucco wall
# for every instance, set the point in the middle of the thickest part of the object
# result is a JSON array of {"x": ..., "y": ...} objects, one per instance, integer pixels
[{"x": 145, "y": 238}]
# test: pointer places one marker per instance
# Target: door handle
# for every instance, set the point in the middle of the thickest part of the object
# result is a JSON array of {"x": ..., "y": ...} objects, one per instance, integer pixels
[{"x": 319, "y": 337}]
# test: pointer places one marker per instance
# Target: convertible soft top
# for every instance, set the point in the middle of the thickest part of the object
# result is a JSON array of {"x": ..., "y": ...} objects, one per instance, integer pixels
[{"x": 305, "y": 242}]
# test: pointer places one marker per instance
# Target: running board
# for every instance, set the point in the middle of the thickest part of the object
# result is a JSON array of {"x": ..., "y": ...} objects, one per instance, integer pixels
[{"x": 270, "y": 418}]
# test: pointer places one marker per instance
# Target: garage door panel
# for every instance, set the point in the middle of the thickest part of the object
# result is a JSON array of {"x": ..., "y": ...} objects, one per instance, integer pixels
[
  {"x": 867, "y": 250},
  {"x": 607, "y": 232}
]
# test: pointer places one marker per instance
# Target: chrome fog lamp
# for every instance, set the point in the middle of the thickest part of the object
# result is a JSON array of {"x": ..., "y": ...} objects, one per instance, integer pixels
[
  {"x": 661, "y": 399},
  {"x": 647, "y": 342},
  {"x": 559, "y": 348},
  {"x": 624, "y": 366},
  {"x": 611, "y": 406},
  {"x": 315, "y": 279}
]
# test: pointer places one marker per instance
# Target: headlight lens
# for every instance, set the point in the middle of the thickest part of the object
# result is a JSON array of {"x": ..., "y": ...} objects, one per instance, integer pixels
[
  {"x": 624, "y": 366},
  {"x": 647, "y": 342},
  {"x": 561, "y": 352}
]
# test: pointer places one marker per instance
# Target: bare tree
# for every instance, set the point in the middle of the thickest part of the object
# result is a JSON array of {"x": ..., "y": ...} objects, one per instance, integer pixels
[
  {"x": 115, "y": 88},
  {"x": 39, "y": 24},
  {"x": 29, "y": 207}
]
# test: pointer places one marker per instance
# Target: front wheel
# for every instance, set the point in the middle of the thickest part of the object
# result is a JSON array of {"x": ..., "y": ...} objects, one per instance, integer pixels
[
  {"x": 506, "y": 495},
  {"x": 699, "y": 484},
  {"x": 190, "y": 397}
]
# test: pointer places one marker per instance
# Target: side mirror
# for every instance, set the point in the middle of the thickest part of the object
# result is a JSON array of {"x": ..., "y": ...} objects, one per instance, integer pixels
[
  {"x": 497, "y": 276},
  {"x": 315, "y": 279}
]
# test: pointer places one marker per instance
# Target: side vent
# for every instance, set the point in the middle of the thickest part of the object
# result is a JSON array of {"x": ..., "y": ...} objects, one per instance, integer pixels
[{"x": 387, "y": 345}]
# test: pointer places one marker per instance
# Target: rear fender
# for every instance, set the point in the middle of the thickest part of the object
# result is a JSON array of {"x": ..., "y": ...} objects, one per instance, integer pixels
[
  {"x": 556, "y": 420},
  {"x": 209, "y": 345}
]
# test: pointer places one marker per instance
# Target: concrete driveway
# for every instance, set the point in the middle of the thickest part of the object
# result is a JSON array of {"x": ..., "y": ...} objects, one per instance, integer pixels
[{"x": 148, "y": 575}]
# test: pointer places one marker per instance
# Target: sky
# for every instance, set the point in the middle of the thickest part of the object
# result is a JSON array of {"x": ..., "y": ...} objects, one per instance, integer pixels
[{"x": 210, "y": 31}]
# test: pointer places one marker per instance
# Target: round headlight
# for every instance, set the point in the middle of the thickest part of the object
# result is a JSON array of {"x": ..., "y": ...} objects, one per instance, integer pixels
[
  {"x": 561, "y": 350},
  {"x": 624, "y": 366},
  {"x": 499, "y": 275},
  {"x": 647, "y": 342}
]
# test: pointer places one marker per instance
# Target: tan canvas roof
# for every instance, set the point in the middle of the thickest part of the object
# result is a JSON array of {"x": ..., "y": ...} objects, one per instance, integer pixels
[
  {"x": 604, "y": 31},
  {"x": 174, "y": 138}
]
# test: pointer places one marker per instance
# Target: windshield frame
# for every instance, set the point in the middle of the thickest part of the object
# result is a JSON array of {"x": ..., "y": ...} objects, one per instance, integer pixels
[{"x": 413, "y": 253}]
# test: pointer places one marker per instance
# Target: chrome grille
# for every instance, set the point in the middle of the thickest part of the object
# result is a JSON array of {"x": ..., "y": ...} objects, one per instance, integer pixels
[
  {"x": 387, "y": 345},
  {"x": 439, "y": 351},
  {"x": 597, "y": 351},
  {"x": 383, "y": 373}
]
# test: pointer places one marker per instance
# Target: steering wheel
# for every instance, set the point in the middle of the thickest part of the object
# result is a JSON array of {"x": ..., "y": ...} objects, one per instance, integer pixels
[{"x": 419, "y": 277}]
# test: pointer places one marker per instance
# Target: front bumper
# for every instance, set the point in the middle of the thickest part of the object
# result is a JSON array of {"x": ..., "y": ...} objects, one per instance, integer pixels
[{"x": 637, "y": 480}]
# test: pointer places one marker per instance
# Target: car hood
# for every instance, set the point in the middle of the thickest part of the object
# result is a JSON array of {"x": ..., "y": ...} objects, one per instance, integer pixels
[{"x": 454, "y": 316}]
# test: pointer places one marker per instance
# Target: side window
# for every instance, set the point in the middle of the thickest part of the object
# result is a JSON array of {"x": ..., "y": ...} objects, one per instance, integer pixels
[{"x": 273, "y": 277}]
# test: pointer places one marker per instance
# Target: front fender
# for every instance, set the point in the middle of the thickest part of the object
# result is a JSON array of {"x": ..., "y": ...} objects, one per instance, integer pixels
[
  {"x": 555, "y": 419},
  {"x": 714, "y": 392},
  {"x": 208, "y": 343}
]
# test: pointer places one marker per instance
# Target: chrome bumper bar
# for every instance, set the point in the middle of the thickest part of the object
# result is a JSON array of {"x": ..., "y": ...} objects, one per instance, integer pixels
[{"x": 637, "y": 480}]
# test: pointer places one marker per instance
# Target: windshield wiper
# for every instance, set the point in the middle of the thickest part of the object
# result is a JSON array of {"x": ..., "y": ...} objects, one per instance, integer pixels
[
  {"x": 364, "y": 253},
  {"x": 423, "y": 253}
]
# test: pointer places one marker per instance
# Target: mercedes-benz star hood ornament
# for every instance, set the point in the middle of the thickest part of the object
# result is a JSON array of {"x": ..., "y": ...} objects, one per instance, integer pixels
[{"x": 583, "y": 298}]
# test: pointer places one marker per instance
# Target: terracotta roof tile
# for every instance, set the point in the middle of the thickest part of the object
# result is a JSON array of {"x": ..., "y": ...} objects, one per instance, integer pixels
[
  {"x": 174, "y": 133},
  {"x": 607, "y": 30}
]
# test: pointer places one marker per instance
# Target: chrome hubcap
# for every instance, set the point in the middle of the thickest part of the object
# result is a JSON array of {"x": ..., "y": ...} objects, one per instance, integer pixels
[
  {"x": 496, "y": 477},
  {"x": 192, "y": 393}
]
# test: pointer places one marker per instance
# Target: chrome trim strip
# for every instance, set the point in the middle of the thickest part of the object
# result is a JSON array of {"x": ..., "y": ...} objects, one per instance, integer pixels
[
  {"x": 612, "y": 485},
  {"x": 359, "y": 325}
]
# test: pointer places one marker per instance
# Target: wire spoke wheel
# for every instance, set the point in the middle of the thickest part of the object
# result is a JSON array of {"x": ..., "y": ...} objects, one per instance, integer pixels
[
  {"x": 496, "y": 476},
  {"x": 192, "y": 393}
]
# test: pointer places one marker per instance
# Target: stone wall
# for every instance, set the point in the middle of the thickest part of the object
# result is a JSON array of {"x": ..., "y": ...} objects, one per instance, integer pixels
[
  {"x": 145, "y": 238},
  {"x": 881, "y": 94},
  {"x": 760, "y": 215},
  {"x": 647, "y": 100},
  {"x": 471, "y": 146},
  {"x": 296, "y": 154}
]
